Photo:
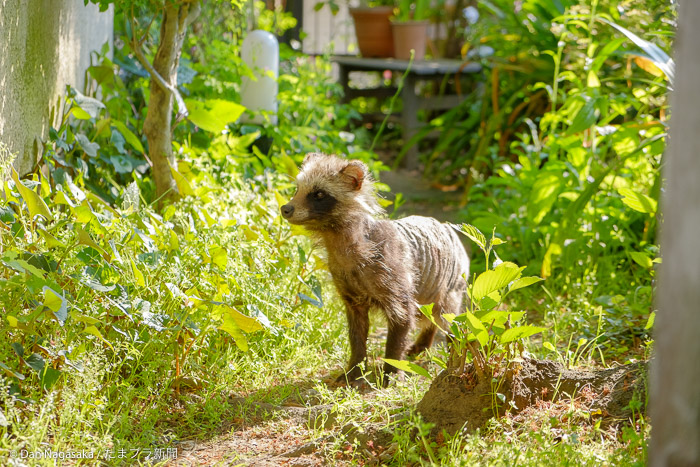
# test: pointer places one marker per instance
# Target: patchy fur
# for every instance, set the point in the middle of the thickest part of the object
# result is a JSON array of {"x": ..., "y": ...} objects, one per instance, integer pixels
[{"x": 394, "y": 266}]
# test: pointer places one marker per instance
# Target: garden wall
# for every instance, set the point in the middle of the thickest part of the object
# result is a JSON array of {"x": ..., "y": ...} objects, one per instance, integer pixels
[{"x": 44, "y": 45}]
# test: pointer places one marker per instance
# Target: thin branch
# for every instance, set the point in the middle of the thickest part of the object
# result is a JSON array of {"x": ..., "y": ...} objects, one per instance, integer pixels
[{"x": 136, "y": 47}]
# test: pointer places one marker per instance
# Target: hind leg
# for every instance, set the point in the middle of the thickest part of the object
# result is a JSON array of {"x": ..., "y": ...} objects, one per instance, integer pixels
[
  {"x": 424, "y": 340},
  {"x": 451, "y": 302}
]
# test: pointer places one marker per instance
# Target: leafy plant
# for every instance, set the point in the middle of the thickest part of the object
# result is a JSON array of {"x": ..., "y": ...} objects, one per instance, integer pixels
[
  {"x": 484, "y": 331},
  {"x": 487, "y": 332},
  {"x": 416, "y": 11}
]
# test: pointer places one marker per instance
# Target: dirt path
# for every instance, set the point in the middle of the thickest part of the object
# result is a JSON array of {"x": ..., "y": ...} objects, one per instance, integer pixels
[
  {"x": 300, "y": 432},
  {"x": 422, "y": 198}
]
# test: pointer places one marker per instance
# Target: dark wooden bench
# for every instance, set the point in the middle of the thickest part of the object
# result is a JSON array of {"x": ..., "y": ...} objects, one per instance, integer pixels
[{"x": 421, "y": 70}]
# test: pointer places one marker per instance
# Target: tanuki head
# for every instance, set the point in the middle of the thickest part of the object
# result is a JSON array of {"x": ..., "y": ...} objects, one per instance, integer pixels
[{"x": 331, "y": 193}]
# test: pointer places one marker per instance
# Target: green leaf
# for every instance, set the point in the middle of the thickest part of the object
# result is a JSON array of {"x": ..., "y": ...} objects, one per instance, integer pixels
[
  {"x": 235, "y": 323},
  {"x": 473, "y": 234},
  {"x": 477, "y": 328},
  {"x": 85, "y": 239},
  {"x": 36, "y": 362},
  {"x": 81, "y": 318},
  {"x": 21, "y": 265},
  {"x": 88, "y": 104},
  {"x": 35, "y": 204},
  {"x": 625, "y": 140},
  {"x": 93, "y": 331},
  {"x": 408, "y": 367},
  {"x": 49, "y": 377},
  {"x": 519, "y": 332},
  {"x": 80, "y": 113},
  {"x": 128, "y": 135},
  {"x": 524, "y": 282},
  {"x": 592, "y": 80},
  {"x": 214, "y": 114},
  {"x": 543, "y": 195},
  {"x": 548, "y": 345},
  {"x": 183, "y": 185},
  {"x": 494, "y": 280},
  {"x": 497, "y": 318},
  {"x": 51, "y": 241},
  {"x": 490, "y": 301},
  {"x": 245, "y": 323},
  {"x": 584, "y": 119},
  {"x": 11, "y": 373},
  {"x": 307, "y": 299},
  {"x": 89, "y": 147},
  {"x": 219, "y": 257},
  {"x": 138, "y": 275},
  {"x": 650, "y": 321},
  {"x": 56, "y": 303},
  {"x": 641, "y": 259},
  {"x": 638, "y": 201},
  {"x": 495, "y": 241}
]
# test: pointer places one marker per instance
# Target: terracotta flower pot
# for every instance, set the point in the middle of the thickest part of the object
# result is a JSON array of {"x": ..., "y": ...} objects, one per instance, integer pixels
[
  {"x": 373, "y": 31},
  {"x": 410, "y": 35}
]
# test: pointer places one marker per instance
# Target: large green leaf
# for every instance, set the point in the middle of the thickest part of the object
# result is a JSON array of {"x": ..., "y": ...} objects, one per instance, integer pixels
[
  {"x": 641, "y": 259},
  {"x": 236, "y": 323},
  {"x": 497, "y": 319},
  {"x": 11, "y": 373},
  {"x": 524, "y": 282},
  {"x": 584, "y": 119},
  {"x": 638, "y": 201},
  {"x": 407, "y": 366},
  {"x": 543, "y": 195},
  {"x": 473, "y": 234},
  {"x": 183, "y": 185},
  {"x": 213, "y": 114},
  {"x": 128, "y": 135},
  {"x": 35, "y": 204},
  {"x": 56, "y": 303},
  {"x": 519, "y": 332},
  {"x": 495, "y": 279},
  {"x": 36, "y": 362},
  {"x": 90, "y": 105},
  {"x": 477, "y": 328},
  {"x": 88, "y": 146}
]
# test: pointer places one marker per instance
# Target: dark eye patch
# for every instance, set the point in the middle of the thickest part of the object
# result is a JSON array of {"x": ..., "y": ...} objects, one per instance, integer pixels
[{"x": 320, "y": 202}]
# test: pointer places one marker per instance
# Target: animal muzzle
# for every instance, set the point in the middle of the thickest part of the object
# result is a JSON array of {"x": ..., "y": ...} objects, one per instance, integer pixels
[{"x": 287, "y": 211}]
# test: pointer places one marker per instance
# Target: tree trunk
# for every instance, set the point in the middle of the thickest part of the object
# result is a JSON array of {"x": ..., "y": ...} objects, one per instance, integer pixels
[
  {"x": 177, "y": 16},
  {"x": 675, "y": 377},
  {"x": 454, "y": 400}
]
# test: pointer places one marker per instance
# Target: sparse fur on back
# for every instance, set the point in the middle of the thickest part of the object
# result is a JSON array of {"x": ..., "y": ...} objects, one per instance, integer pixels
[{"x": 380, "y": 264}]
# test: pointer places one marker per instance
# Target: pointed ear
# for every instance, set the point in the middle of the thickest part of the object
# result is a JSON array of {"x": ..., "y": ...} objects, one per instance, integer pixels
[{"x": 355, "y": 172}]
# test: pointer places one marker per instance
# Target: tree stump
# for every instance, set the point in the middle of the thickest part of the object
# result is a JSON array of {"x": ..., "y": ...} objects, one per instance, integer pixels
[{"x": 455, "y": 400}]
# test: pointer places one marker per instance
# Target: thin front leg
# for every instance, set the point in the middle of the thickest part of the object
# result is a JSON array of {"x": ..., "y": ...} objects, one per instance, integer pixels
[
  {"x": 358, "y": 329},
  {"x": 396, "y": 343}
]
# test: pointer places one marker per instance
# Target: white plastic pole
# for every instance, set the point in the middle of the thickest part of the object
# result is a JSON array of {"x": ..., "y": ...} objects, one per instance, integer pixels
[{"x": 260, "y": 51}]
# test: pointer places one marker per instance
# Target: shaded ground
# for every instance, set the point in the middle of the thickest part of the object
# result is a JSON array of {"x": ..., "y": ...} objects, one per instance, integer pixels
[{"x": 300, "y": 431}]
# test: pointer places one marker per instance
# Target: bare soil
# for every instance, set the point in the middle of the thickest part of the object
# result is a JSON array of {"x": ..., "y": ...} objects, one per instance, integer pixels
[{"x": 466, "y": 401}]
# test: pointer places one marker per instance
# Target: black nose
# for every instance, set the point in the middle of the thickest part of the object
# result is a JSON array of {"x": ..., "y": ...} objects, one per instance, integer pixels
[{"x": 287, "y": 210}]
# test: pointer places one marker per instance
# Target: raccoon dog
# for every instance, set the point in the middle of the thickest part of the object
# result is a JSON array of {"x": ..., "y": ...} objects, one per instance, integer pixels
[{"x": 391, "y": 265}]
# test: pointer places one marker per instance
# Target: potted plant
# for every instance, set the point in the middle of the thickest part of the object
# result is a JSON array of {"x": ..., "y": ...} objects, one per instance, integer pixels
[
  {"x": 373, "y": 28},
  {"x": 410, "y": 29}
]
